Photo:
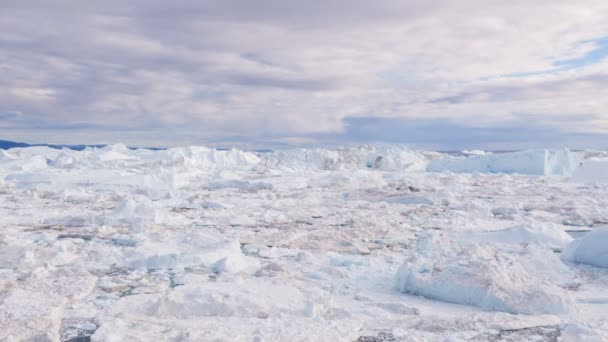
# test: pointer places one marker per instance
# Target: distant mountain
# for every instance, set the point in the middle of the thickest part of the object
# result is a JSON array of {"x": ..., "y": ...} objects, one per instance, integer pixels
[{"x": 6, "y": 144}]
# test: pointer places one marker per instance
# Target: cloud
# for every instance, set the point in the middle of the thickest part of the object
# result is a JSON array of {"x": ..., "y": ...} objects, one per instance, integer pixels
[{"x": 300, "y": 69}]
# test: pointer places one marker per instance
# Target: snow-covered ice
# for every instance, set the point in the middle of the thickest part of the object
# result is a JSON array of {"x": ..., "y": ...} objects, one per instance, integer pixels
[{"x": 363, "y": 243}]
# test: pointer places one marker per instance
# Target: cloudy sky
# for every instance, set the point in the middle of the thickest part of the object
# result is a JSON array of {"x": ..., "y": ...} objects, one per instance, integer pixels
[{"x": 444, "y": 74}]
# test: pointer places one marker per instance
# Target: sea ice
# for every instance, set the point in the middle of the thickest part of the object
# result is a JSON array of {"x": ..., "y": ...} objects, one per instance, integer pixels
[{"x": 194, "y": 243}]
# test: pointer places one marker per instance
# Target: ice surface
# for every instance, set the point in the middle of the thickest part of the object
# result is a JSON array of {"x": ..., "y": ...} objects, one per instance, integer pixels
[
  {"x": 195, "y": 250},
  {"x": 197, "y": 244}
]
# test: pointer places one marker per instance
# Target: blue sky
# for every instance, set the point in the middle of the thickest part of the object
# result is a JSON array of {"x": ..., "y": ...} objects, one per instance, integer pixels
[
  {"x": 443, "y": 74},
  {"x": 598, "y": 53}
]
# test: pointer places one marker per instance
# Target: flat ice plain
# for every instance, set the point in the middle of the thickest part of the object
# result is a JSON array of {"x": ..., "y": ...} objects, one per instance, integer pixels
[{"x": 352, "y": 244}]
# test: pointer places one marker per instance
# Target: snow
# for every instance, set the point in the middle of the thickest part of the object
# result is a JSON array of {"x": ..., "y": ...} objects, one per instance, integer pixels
[
  {"x": 355, "y": 243},
  {"x": 591, "y": 249}
]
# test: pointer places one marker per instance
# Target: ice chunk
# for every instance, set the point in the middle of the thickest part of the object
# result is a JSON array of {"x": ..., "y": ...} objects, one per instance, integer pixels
[
  {"x": 138, "y": 211},
  {"x": 30, "y": 316},
  {"x": 250, "y": 311},
  {"x": 239, "y": 184},
  {"x": 33, "y": 163},
  {"x": 10, "y": 256},
  {"x": 347, "y": 158},
  {"x": 68, "y": 283},
  {"x": 551, "y": 236},
  {"x": 133, "y": 210},
  {"x": 560, "y": 162},
  {"x": 509, "y": 279},
  {"x": 64, "y": 161},
  {"x": 196, "y": 250},
  {"x": 5, "y": 155},
  {"x": 411, "y": 200},
  {"x": 67, "y": 221},
  {"x": 252, "y": 298},
  {"x": 591, "y": 249},
  {"x": 475, "y": 152},
  {"x": 198, "y": 157},
  {"x": 114, "y": 152}
]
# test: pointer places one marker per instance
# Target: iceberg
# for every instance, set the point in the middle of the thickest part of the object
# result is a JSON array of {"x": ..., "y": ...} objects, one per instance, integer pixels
[
  {"x": 513, "y": 279},
  {"x": 530, "y": 162}
]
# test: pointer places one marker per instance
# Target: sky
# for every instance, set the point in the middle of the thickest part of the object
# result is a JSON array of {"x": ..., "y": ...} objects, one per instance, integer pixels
[{"x": 437, "y": 74}]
